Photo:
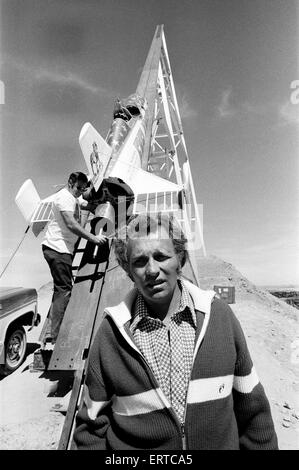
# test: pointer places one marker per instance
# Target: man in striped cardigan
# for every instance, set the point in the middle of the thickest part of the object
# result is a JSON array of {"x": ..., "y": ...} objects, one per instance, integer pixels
[{"x": 169, "y": 368}]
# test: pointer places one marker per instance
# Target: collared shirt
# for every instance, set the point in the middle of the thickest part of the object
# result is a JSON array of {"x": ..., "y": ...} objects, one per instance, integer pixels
[{"x": 168, "y": 349}]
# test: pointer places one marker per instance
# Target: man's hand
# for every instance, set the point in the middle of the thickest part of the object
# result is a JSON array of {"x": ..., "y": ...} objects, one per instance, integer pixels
[
  {"x": 76, "y": 228},
  {"x": 101, "y": 239}
]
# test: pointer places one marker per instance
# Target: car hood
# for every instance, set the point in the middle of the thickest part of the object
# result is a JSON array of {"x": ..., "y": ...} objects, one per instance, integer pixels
[{"x": 15, "y": 297}]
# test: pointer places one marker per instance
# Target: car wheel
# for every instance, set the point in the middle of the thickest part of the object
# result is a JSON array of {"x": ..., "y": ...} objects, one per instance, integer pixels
[{"x": 15, "y": 348}]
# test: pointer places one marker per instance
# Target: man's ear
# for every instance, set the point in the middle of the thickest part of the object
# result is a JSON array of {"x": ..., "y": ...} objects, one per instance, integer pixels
[
  {"x": 129, "y": 274},
  {"x": 179, "y": 268},
  {"x": 125, "y": 267}
]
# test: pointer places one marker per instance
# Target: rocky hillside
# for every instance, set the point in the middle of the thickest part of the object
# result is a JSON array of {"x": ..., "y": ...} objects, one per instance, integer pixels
[
  {"x": 214, "y": 271},
  {"x": 271, "y": 329}
]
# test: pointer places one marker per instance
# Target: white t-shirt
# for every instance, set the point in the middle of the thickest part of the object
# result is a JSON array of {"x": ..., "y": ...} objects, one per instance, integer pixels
[{"x": 58, "y": 236}]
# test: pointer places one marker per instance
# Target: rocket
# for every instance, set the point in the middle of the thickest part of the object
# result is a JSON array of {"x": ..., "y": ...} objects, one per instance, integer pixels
[
  {"x": 122, "y": 178},
  {"x": 115, "y": 165},
  {"x": 114, "y": 169}
]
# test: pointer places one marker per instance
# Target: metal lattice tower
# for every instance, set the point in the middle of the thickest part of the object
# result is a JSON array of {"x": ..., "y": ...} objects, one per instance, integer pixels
[{"x": 165, "y": 152}]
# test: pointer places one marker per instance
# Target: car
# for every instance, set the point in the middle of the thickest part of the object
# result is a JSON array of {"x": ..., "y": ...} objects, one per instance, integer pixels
[{"x": 18, "y": 309}]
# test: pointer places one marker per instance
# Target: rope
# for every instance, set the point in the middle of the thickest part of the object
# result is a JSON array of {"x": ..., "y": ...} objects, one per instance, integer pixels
[{"x": 14, "y": 253}]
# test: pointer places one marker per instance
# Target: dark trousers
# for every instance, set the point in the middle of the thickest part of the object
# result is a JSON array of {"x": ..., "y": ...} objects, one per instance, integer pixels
[{"x": 60, "y": 265}]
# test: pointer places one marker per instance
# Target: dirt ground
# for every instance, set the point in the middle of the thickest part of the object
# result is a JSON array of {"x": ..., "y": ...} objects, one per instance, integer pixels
[
  {"x": 27, "y": 421},
  {"x": 27, "y": 416}
]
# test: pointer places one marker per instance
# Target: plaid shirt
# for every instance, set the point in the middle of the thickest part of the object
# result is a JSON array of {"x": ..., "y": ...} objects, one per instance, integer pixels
[{"x": 168, "y": 349}]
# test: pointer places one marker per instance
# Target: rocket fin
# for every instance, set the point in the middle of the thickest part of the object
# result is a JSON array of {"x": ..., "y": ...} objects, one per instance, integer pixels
[
  {"x": 141, "y": 181},
  {"x": 27, "y": 199},
  {"x": 35, "y": 211}
]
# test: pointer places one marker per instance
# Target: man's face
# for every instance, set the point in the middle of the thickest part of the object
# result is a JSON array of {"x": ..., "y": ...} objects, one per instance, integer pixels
[
  {"x": 153, "y": 266},
  {"x": 78, "y": 188}
]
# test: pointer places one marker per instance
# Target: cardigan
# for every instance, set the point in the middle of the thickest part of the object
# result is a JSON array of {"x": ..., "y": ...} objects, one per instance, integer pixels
[{"x": 125, "y": 409}]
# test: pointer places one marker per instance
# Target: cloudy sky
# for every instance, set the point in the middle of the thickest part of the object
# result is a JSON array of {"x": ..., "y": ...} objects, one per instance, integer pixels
[{"x": 63, "y": 62}]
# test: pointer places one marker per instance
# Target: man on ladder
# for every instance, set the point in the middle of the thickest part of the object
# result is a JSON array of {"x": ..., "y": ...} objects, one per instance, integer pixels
[{"x": 58, "y": 247}]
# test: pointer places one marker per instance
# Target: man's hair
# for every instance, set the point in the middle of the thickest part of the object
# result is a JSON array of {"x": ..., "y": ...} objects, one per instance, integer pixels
[
  {"x": 77, "y": 176},
  {"x": 145, "y": 224}
]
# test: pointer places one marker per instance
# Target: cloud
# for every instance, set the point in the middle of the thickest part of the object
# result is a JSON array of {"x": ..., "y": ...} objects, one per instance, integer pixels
[
  {"x": 225, "y": 109},
  {"x": 289, "y": 113},
  {"x": 67, "y": 78},
  {"x": 258, "y": 109},
  {"x": 186, "y": 111},
  {"x": 183, "y": 98},
  {"x": 59, "y": 76}
]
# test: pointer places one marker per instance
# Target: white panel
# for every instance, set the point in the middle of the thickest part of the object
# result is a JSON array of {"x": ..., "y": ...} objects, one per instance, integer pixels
[
  {"x": 43, "y": 212},
  {"x": 27, "y": 199},
  {"x": 141, "y": 403},
  {"x": 93, "y": 407},
  {"x": 214, "y": 388},
  {"x": 247, "y": 383}
]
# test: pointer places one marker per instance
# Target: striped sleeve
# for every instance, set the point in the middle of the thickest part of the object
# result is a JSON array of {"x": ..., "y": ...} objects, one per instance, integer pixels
[
  {"x": 252, "y": 409},
  {"x": 92, "y": 420}
]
